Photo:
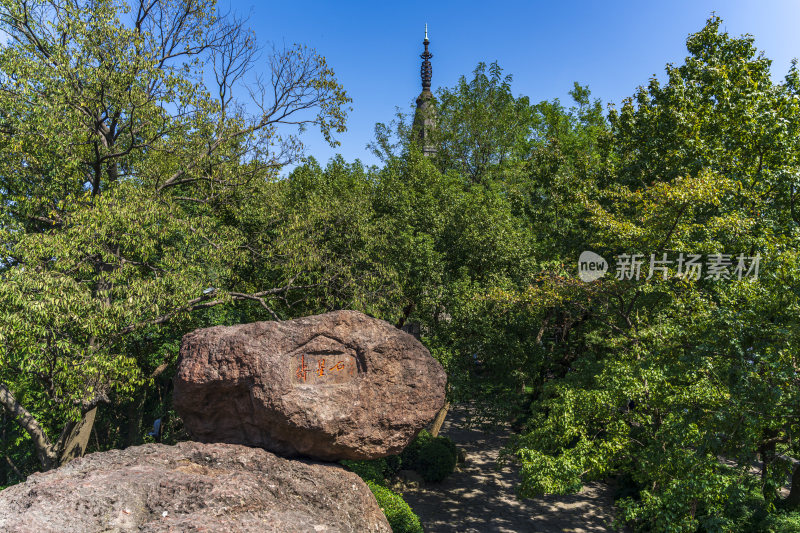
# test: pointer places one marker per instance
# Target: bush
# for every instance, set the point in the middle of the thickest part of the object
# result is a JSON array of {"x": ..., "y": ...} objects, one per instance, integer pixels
[
  {"x": 448, "y": 442},
  {"x": 398, "y": 513},
  {"x": 411, "y": 453},
  {"x": 779, "y": 522},
  {"x": 434, "y": 458},
  {"x": 376, "y": 470},
  {"x": 436, "y": 461},
  {"x": 393, "y": 465},
  {"x": 370, "y": 471}
]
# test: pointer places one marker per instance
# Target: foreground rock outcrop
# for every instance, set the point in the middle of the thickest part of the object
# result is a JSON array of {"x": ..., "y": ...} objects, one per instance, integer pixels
[
  {"x": 191, "y": 487},
  {"x": 335, "y": 386}
]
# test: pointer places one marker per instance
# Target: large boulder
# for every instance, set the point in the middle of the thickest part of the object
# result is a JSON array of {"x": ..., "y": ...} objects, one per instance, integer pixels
[
  {"x": 336, "y": 386},
  {"x": 191, "y": 487}
]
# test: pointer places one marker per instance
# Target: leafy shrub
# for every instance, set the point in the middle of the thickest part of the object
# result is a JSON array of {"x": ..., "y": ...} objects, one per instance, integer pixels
[
  {"x": 436, "y": 461},
  {"x": 434, "y": 458},
  {"x": 370, "y": 471},
  {"x": 411, "y": 453},
  {"x": 779, "y": 522},
  {"x": 448, "y": 442},
  {"x": 393, "y": 465},
  {"x": 398, "y": 513},
  {"x": 376, "y": 470}
]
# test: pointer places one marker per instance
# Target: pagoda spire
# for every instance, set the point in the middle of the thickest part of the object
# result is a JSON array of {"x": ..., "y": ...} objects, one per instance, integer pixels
[
  {"x": 425, "y": 116},
  {"x": 426, "y": 70}
]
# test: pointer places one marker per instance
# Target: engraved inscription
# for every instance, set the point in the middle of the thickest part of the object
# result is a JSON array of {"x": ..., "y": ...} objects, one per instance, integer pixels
[{"x": 323, "y": 361}]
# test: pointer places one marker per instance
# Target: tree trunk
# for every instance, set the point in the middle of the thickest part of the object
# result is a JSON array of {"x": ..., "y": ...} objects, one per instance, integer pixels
[
  {"x": 439, "y": 420},
  {"x": 44, "y": 448},
  {"x": 71, "y": 443},
  {"x": 793, "y": 500},
  {"x": 77, "y": 441},
  {"x": 767, "y": 452},
  {"x": 19, "y": 474}
]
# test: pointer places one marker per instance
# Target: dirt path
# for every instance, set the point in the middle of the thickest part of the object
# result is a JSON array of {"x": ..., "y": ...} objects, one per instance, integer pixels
[{"x": 478, "y": 498}]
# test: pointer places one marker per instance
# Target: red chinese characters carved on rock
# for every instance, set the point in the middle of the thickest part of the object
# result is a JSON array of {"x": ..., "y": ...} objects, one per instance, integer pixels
[
  {"x": 318, "y": 369},
  {"x": 302, "y": 370}
]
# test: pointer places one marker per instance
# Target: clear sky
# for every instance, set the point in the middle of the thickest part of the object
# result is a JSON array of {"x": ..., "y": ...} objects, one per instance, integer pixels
[{"x": 613, "y": 46}]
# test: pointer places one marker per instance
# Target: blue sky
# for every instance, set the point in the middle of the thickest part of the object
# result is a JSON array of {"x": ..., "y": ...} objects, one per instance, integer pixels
[{"x": 613, "y": 47}]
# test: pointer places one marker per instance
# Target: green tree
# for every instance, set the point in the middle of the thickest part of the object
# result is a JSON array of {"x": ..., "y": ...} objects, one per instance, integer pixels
[
  {"x": 481, "y": 127},
  {"x": 504, "y": 206},
  {"x": 125, "y": 185},
  {"x": 340, "y": 240},
  {"x": 680, "y": 385}
]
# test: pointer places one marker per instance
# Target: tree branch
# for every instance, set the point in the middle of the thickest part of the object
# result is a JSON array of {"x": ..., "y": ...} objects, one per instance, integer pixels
[{"x": 28, "y": 422}]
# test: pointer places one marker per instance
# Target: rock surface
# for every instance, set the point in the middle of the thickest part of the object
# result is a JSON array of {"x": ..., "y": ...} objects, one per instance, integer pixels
[
  {"x": 336, "y": 386},
  {"x": 191, "y": 487}
]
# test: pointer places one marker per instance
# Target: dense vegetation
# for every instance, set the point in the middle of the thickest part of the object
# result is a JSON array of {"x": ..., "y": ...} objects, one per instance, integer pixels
[
  {"x": 398, "y": 513},
  {"x": 433, "y": 458},
  {"x": 139, "y": 200}
]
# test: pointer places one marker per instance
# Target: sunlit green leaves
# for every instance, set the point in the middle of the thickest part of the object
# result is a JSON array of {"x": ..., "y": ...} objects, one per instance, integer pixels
[{"x": 682, "y": 384}]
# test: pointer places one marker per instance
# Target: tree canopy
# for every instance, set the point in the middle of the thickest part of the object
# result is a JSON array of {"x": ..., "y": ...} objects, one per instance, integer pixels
[
  {"x": 139, "y": 200},
  {"x": 124, "y": 184}
]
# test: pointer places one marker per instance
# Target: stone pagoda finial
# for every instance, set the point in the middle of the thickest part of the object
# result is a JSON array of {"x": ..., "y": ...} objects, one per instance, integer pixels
[{"x": 426, "y": 70}]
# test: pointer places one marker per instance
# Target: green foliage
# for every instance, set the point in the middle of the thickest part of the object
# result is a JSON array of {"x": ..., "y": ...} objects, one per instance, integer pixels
[
  {"x": 434, "y": 458},
  {"x": 674, "y": 384},
  {"x": 435, "y": 461},
  {"x": 118, "y": 240},
  {"x": 339, "y": 238},
  {"x": 374, "y": 470},
  {"x": 481, "y": 127},
  {"x": 393, "y": 465},
  {"x": 398, "y": 513},
  {"x": 410, "y": 454},
  {"x": 780, "y": 522},
  {"x": 132, "y": 196}
]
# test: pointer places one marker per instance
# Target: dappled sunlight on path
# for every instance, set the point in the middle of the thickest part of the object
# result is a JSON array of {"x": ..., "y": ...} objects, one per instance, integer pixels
[{"x": 478, "y": 498}]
